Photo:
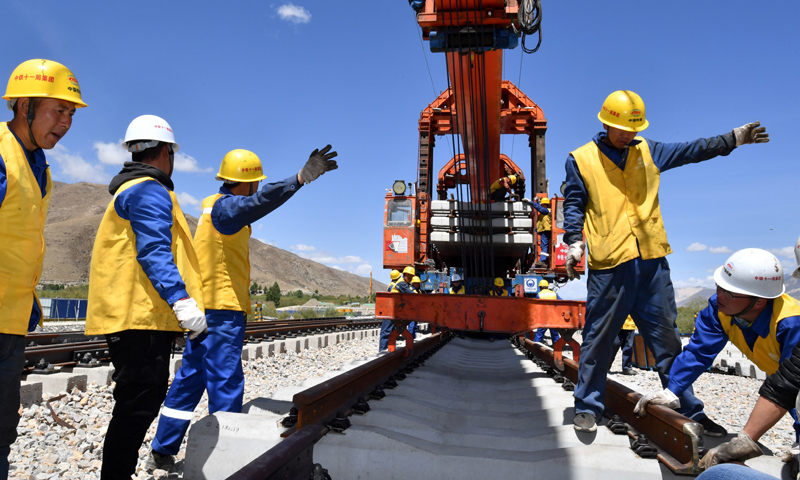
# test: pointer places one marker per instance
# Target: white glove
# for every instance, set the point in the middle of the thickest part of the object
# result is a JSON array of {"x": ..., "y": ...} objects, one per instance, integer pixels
[
  {"x": 751, "y": 133},
  {"x": 664, "y": 397},
  {"x": 739, "y": 449},
  {"x": 318, "y": 163},
  {"x": 574, "y": 256},
  {"x": 190, "y": 317}
]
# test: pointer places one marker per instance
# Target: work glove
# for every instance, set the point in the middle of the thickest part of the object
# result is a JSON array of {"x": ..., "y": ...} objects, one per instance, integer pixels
[
  {"x": 318, "y": 163},
  {"x": 751, "y": 133},
  {"x": 574, "y": 256},
  {"x": 664, "y": 397},
  {"x": 739, "y": 449},
  {"x": 190, "y": 317}
]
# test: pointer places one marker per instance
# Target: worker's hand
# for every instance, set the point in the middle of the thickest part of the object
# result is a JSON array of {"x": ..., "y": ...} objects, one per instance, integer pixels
[
  {"x": 664, "y": 397},
  {"x": 739, "y": 449},
  {"x": 751, "y": 133},
  {"x": 574, "y": 257},
  {"x": 190, "y": 317},
  {"x": 318, "y": 163}
]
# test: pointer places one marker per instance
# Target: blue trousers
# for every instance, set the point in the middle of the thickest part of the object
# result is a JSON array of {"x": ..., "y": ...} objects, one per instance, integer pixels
[
  {"x": 544, "y": 245},
  {"x": 386, "y": 329},
  {"x": 625, "y": 340},
  {"x": 540, "y": 335},
  {"x": 732, "y": 471},
  {"x": 214, "y": 365},
  {"x": 642, "y": 289},
  {"x": 12, "y": 361}
]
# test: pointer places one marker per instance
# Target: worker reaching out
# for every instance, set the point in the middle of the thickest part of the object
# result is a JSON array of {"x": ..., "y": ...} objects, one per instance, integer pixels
[
  {"x": 544, "y": 227},
  {"x": 611, "y": 189},
  {"x": 502, "y": 187}
]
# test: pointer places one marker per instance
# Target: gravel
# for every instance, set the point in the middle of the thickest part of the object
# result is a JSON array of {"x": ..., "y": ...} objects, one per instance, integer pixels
[{"x": 46, "y": 450}]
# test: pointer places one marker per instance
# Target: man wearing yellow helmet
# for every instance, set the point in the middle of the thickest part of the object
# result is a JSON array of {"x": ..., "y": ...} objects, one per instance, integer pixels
[
  {"x": 401, "y": 286},
  {"x": 612, "y": 187},
  {"x": 543, "y": 227},
  {"x": 222, "y": 238},
  {"x": 387, "y": 325},
  {"x": 502, "y": 187},
  {"x": 43, "y": 96},
  {"x": 499, "y": 289},
  {"x": 547, "y": 294}
]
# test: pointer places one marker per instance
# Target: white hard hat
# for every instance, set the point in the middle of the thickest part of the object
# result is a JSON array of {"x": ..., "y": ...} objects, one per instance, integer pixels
[
  {"x": 796, "y": 273},
  {"x": 456, "y": 277},
  {"x": 146, "y": 131},
  {"x": 752, "y": 271}
]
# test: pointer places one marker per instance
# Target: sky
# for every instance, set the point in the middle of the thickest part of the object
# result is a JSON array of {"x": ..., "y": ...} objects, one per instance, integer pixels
[{"x": 284, "y": 78}]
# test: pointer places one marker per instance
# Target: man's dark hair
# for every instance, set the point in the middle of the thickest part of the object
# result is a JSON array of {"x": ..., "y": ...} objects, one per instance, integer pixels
[
  {"x": 148, "y": 154},
  {"x": 35, "y": 100}
]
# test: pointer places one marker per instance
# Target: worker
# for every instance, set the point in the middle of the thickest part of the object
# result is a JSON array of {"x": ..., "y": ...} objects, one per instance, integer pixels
[
  {"x": 543, "y": 228},
  {"x": 625, "y": 339},
  {"x": 499, "y": 289},
  {"x": 387, "y": 325},
  {"x": 222, "y": 241},
  {"x": 456, "y": 285},
  {"x": 612, "y": 183},
  {"x": 43, "y": 95},
  {"x": 751, "y": 310},
  {"x": 502, "y": 187},
  {"x": 546, "y": 294},
  {"x": 144, "y": 287},
  {"x": 415, "y": 284},
  {"x": 402, "y": 286}
]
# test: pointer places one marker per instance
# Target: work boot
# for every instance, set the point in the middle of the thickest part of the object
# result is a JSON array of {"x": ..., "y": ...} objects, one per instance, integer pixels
[
  {"x": 711, "y": 428},
  {"x": 629, "y": 371},
  {"x": 158, "y": 461},
  {"x": 584, "y": 422}
]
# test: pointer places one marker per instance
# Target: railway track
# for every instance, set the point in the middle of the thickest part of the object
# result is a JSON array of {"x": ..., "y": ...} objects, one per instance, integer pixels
[
  {"x": 465, "y": 408},
  {"x": 47, "y": 351}
]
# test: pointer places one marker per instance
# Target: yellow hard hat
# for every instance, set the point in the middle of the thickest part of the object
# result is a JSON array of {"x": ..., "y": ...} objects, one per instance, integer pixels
[
  {"x": 545, "y": 201},
  {"x": 44, "y": 78},
  {"x": 498, "y": 282},
  {"x": 409, "y": 270},
  {"x": 394, "y": 274},
  {"x": 624, "y": 109},
  {"x": 543, "y": 284},
  {"x": 415, "y": 280},
  {"x": 240, "y": 166}
]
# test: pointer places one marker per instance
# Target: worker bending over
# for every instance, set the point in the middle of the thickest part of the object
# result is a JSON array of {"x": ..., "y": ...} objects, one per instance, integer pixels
[
  {"x": 611, "y": 189},
  {"x": 387, "y": 325},
  {"x": 222, "y": 240},
  {"x": 547, "y": 294},
  {"x": 43, "y": 95}
]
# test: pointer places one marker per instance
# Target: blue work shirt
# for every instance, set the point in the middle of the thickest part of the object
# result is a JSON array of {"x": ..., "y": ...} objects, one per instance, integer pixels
[
  {"x": 709, "y": 339},
  {"x": 232, "y": 213},
  {"x": 539, "y": 208},
  {"x": 665, "y": 156}
]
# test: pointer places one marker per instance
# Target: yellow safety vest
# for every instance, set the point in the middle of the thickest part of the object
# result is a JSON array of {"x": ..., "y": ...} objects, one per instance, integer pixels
[
  {"x": 547, "y": 294},
  {"x": 543, "y": 223},
  {"x": 766, "y": 352},
  {"x": 22, "y": 218},
  {"x": 493, "y": 293},
  {"x": 623, "y": 206},
  {"x": 396, "y": 290},
  {"x": 121, "y": 296},
  {"x": 512, "y": 179},
  {"x": 629, "y": 324},
  {"x": 391, "y": 286},
  {"x": 460, "y": 291},
  {"x": 224, "y": 263}
]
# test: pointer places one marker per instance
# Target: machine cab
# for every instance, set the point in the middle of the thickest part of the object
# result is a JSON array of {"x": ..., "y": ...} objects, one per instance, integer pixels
[{"x": 400, "y": 242}]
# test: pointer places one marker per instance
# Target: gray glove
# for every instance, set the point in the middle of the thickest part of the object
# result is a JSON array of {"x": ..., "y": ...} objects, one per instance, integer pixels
[
  {"x": 751, "y": 133},
  {"x": 318, "y": 163},
  {"x": 739, "y": 449},
  {"x": 664, "y": 397},
  {"x": 574, "y": 256}
]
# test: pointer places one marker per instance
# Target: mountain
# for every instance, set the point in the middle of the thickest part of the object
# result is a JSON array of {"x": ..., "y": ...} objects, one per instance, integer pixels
[
  {"x": 687, "y": 295},
  {"x": 74, "y": 216}
]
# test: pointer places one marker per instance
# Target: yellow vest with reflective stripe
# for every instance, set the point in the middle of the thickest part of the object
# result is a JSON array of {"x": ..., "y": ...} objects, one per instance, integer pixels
[
  {"x": 493, "y": 293},
  {"x": 543, "y": 223},
  {"x": 121, "y": 296},
  {"x": 547, "y": 294},
  {"x": 766, "y": 352},
  {"x": 22, "y": 217},
  {"x": 622, "y": 206},
  {"x": 461, "y": 290},
  {"x": 224, "y": 263}
]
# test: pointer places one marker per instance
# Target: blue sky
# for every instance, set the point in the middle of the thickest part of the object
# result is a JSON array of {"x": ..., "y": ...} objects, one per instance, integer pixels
[{"x": 283, "y": 78}]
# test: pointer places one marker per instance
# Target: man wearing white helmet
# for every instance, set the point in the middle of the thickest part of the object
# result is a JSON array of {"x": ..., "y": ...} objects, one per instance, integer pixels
[
  {"x": 144, "y": 288},
  {"x": 751, "y": 310},
  {"x": 612, "y": 185},
  {"x": 222, "y": 240},
  {"x": 43, "y": 96},
  {"x": 456, "y": 285}
]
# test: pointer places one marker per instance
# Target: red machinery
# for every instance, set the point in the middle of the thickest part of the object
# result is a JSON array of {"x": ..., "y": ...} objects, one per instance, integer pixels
[{"x": 484, "y": 238}]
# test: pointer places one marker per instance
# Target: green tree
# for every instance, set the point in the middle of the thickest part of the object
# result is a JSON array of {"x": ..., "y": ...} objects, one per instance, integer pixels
[
  {"x": 274, "y": 294},
  {"x": 298, "y": 294},
  {"x": 253, "y": 288},
  {"x": 688, "y": 313}
]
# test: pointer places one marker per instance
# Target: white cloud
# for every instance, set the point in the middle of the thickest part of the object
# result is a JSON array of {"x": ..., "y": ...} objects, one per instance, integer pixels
[
  {"x": 75, "y": 168},
  {"x": 111, "y": 153},
  {"x": 347, "y": 263},
  {"x": 294, "y": 14},
  {"x": 302, "y": 248},
  {"x": 187, "y": 163},
  {"x": 783, "y": 252},
  {"x": 722, "y": 249},
  {"x": 186, "y": 199},
  {"x": 707, "y": 282},
  {"x": 696, "y": 247}
]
